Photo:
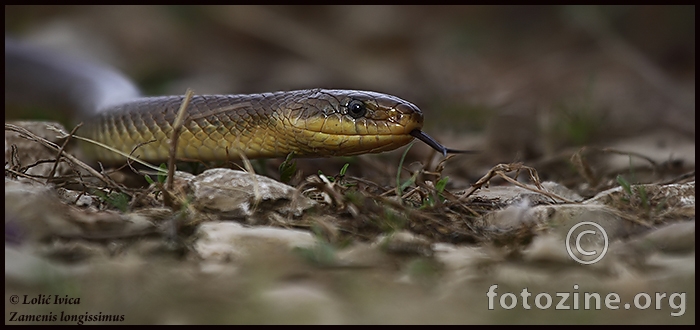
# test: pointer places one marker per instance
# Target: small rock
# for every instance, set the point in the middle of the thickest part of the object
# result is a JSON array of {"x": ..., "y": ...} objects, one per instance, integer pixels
[
  {"x": 27, "y": 269},
  {"x": 36, "y": 212},
  {"x": 561, "y": 218},
  {"x": 547, "y": 248},
  {"x": 364, "y": 255},
  {"x": 113, "y": 224},
  {"x": 462, "y": 257},
  {"x": 78, "y": 198},
  {"x": 514, "y": 215},
  {"x": 225, "y": 241},
  {"x": 404, "y": 242},
  {"x": 84, "y": 201},
  {"x": 236, "y": 195},
  {"x": 302, "y": 303},
  {"x": 679, "y": 198},
  {"x": 674, "y": 238},
  {"x": 561, "y": 191},
  {"x": 508, "y": 195}
]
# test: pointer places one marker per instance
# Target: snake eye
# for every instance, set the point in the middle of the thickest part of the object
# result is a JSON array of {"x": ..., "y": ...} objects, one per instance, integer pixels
[{"x": 356, "y": 109}]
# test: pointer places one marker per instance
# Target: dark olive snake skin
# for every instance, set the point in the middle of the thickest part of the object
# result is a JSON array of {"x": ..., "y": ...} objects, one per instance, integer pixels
[{"x": 309, "y": 123}]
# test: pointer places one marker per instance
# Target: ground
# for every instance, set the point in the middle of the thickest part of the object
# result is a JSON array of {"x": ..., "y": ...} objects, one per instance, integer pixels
[{"x": 580, "y": 114}]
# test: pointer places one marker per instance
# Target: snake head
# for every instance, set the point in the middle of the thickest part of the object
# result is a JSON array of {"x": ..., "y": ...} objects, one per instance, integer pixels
[{"x": 348, "y": 122}]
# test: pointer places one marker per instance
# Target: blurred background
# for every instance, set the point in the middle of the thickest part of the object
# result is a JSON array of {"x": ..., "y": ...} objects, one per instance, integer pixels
[{"x": 517, "y": 83}]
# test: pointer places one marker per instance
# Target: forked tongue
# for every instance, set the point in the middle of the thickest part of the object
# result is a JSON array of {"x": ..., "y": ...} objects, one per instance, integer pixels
[{"x": 420, "y": 135}]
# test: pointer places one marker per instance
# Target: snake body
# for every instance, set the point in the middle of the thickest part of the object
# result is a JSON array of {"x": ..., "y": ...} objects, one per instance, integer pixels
[{"x": 308, "y": 123}]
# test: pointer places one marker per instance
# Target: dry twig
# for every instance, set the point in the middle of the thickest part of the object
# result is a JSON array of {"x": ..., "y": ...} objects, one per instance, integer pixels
[{"x": 500, "y": 170}]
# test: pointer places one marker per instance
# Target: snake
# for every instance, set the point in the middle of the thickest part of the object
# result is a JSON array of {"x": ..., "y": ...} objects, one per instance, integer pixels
[{"x": 306, "y": 123}]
